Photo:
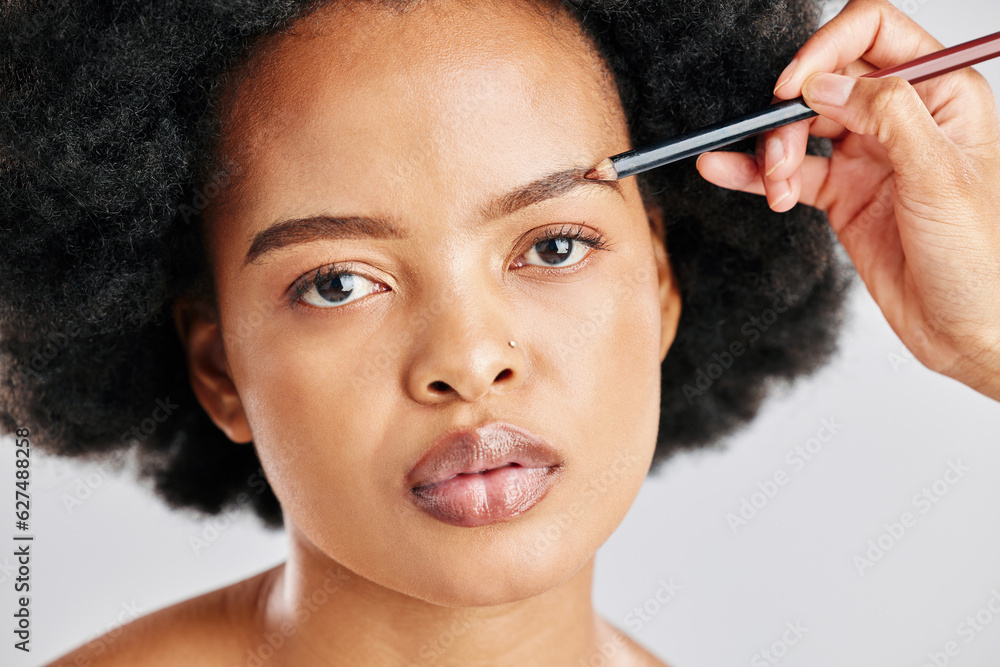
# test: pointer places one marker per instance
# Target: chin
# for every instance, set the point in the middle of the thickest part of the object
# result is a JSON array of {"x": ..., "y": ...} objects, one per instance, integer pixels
[
  {"x": 503, "y": 562},
  {"x": 486, "y": 579}
]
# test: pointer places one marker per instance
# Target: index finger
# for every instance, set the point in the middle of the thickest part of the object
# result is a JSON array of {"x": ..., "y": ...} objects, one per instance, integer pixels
[{"x": 871, "y": 29}]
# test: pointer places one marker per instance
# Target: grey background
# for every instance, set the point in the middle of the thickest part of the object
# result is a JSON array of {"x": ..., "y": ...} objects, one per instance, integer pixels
[{"x": 119, "y": 552}]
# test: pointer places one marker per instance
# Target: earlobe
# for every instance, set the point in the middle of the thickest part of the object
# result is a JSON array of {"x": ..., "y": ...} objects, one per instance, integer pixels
[
  {"x": 670, "y": 295},
  {"x": 208, "y": 369}
]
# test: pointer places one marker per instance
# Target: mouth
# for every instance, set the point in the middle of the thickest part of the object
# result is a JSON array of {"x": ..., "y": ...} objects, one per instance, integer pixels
[
  {"x": 477, "y": 472},
  {"x": 474, "y": 477}
]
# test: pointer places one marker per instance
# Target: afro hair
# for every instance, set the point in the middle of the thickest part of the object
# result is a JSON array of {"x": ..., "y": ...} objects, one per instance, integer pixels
[{"x": 107, "y": 116}]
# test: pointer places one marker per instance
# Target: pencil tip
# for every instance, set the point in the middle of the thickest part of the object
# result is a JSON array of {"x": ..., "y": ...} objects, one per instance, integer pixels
[{"x": 604, "y": 171}]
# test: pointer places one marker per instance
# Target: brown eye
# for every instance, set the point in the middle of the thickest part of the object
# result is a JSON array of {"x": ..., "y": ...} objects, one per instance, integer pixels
[
  {"x": 330, "y": 289},
  {"x": 559, "y": 248},
  {"x": 556, "y": 252}
]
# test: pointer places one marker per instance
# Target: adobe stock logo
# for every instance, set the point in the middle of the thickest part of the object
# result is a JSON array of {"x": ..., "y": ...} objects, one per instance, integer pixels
[
  {"x": 164, "y": 408},
  {"x": 752, "y": 331},
  {"x": 797, "y": 458},
  {"x": 967, "y": 630},
  {"x": 778, "y": 649},
  {"x": 923, "y": 500},
  {"x": 644, "y": 613}
]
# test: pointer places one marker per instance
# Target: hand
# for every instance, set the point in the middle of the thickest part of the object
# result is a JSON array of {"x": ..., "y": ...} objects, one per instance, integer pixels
[{"x": 912, "y": 188}]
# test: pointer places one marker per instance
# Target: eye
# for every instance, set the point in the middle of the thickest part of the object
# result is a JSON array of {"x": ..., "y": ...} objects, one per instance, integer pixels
[
  {"x": 564, "y": 246},
  {"x": 332, "y": 286}
]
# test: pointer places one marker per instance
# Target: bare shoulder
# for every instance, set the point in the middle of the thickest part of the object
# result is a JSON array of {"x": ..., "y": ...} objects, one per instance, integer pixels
[
  {"x": 204, "y": 631},
  {"x": 623, "y": 650}
]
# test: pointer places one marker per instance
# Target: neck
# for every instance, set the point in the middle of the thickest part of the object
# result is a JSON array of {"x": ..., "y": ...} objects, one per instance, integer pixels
[{"x": 315, "y": 611}]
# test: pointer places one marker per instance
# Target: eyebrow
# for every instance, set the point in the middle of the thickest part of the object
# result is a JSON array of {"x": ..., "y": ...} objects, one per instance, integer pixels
[{"x": 304, "y": 230}]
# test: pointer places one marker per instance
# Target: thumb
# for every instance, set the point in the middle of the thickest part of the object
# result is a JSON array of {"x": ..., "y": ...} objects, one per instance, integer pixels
[{"x": 888, "y": 108}]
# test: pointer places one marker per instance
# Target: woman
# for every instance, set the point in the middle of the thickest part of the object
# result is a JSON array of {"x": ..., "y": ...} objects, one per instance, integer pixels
[{"x": 406, "y": 279}]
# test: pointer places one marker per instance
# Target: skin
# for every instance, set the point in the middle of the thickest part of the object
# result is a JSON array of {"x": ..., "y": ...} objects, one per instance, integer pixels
[
  {"x": 424, "y": 118},
  {"x": 912, "y": 188},
  {"x": 469, "y": 118}
]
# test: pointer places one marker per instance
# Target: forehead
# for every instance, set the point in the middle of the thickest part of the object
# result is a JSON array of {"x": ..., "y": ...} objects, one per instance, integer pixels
[{"x": 449, "y": 95}]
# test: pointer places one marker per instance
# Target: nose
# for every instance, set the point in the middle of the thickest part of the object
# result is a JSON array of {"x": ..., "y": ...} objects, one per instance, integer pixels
[{"x": 465, "y": 352}]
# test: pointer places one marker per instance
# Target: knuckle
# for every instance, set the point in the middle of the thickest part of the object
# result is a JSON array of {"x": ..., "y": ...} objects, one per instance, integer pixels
[
  {"x": 829, "y": 48},
  {"x": 747, "y": 171},
  {"x": 976, "y": 82},
  {"x": 869, "y": 8},
  {"x": 893, "y": 94}
]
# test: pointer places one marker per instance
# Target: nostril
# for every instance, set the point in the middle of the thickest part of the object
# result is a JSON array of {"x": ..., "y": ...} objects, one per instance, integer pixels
[
  {"x": 505, "y": 374},
  {"x": 438, "y": 385}
]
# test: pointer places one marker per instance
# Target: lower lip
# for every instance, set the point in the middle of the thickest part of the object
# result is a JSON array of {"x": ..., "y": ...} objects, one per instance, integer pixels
[{"x": 478, "y": 499}]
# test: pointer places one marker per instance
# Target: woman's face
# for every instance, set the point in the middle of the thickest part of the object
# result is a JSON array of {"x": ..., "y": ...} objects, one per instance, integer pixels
[{"x": 434, "y": 122}]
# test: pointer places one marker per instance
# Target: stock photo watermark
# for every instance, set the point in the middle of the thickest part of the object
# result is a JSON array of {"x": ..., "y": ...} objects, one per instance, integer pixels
[
  {"x": 751, "y": 330},
  {"x": 56, "y": 342},
  {"x": 779, "y": 648},
  {"x": 581, "y": 332},
  {"x": 923, "y": 501},
  {"x": 932, "y": 328},
  {"x": 432, "y": 650},
  {"x": 85, "y": 486},
  {"x": 106, "y": 637},
  {"x": 642, "y": 614},
  {"x": 554, "y": 530},
  {"x": 202, "y": 196},
  {"x": 796, "y": 458},
  {"x": 214, "y": 526},
  {"x": 967, "y": 630},
  {"x": 607, "y": 650},
  {"x": 273, "y": 640}
]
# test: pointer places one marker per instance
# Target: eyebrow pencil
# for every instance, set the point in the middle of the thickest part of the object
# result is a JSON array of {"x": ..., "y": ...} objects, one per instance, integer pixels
[{"x": 727, "y": 132}]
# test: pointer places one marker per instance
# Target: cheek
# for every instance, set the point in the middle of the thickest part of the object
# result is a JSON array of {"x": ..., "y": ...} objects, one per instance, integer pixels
[
  {"x": 313, "y": 428},
  {"x": 597, "y": 373},
  {"x": 602, "y": 349}
]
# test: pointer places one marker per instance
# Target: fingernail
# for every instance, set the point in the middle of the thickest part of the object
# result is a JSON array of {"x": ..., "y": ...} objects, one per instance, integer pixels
[
  {"x": 774, "y": 154},
  {"x": 830, "y": 89},
  {"x": 786, "y": 74}
]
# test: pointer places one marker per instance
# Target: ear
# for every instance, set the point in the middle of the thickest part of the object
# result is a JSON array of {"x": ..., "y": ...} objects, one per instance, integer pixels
[
  {"x": 208, "y": 368},
  {"x": 670, "y": 294}
]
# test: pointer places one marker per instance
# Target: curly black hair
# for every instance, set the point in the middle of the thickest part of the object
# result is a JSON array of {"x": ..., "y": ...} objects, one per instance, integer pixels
[{"x": 107, "y": 119}]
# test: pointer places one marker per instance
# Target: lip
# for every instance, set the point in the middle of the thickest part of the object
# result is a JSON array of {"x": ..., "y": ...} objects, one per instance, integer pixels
[{"x": 473, "y": 477}]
